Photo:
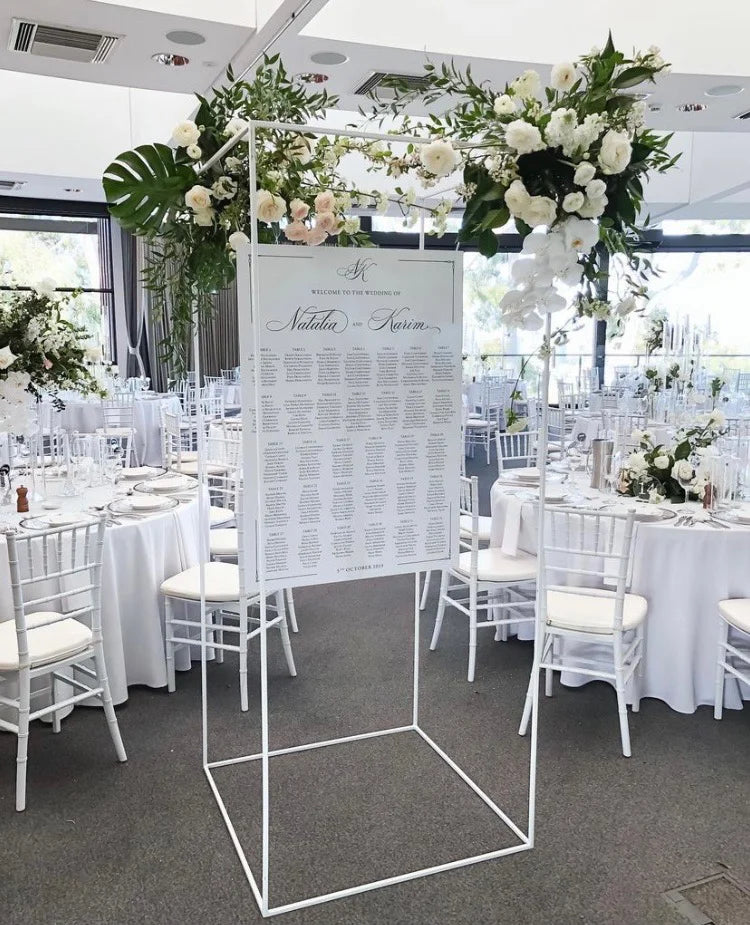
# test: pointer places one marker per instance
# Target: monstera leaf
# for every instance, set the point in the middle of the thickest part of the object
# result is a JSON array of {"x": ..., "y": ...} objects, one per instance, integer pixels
[{"x": 143, "y": 186}]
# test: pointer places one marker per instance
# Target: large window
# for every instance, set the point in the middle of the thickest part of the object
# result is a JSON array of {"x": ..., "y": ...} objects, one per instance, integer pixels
[{"x": 75, "y": 253}]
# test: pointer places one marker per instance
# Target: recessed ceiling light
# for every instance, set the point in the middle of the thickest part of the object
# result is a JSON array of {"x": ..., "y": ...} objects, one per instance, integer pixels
[
  {"x": 183, "y": 37},
  {"x": 725, "y": 90},
  {"x": 73, "y": 189},
  {"x": 169, "y": 60},
  {"x": 312, "y": 78},
  {"x": 692, "y": 107},
  {"x": 331, "y": 58}
]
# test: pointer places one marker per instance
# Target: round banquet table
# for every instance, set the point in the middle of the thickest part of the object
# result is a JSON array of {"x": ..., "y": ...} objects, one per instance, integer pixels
[
  {"x": 86, "y": 416},
  {"x": 139, "y": 554},
  {"x": 683, "y": 572}
]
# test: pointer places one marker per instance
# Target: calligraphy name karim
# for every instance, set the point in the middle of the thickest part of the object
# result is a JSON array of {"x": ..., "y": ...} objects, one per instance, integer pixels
[
  {"x": 394, "y": 319},
  {"x": 313, "y": 319}
]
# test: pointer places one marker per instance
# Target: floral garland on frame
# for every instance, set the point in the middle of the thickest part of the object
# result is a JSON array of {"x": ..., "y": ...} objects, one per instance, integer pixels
[{"x": 40, "y": 353}]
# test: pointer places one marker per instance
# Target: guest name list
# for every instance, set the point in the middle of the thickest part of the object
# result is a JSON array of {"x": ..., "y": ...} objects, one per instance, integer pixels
[{"x": 359, "y": 412}]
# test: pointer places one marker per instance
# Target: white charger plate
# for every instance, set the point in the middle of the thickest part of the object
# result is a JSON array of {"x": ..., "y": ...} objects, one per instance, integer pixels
[{"x": 142, "y": 472}]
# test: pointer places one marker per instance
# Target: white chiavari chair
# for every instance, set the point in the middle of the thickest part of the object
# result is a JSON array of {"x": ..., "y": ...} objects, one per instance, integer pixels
[
  {"x": 481, "y": 573},
  {"x": 585, "y": 554},
  {"x": 733, "y": 655},
  {"x": 516, "y": 451},
  {"x": 118, "y": 417},
  {"x": 175, "y": 441},
  {"x": 228, "y": 594},
  {"x": 743, "y": 383},
  {"x": 55, "y": 577},
  {"x": 478, "y": 432}
]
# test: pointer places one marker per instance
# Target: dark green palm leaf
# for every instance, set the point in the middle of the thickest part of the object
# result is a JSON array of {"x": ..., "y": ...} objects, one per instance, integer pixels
[{"x": 144, "y": 185}]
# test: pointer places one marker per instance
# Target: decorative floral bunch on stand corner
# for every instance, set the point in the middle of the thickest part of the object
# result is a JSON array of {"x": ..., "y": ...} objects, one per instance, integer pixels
[
  {"x": 653, "y": 335},
  {"x": 664, "y": 376},
  {"x": 40, "y": 353},
  {"x": 603, "y": 310},
  {"x": 514, "y": 422},
  {"x": 716, "y": 386},
  {"x": 655, "y": 472},
  {"x": 570, "y": 158},
  {"x": 195, "y": 206}
]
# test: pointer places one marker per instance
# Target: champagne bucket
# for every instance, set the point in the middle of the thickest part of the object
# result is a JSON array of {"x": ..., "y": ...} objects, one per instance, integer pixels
[{"x": 601, "y": 461}]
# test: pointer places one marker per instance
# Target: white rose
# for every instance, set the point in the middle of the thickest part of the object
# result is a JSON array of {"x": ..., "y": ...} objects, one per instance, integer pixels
[
  {"x": 237, "y": 238},
  {"x": 615, "y": 152},
  {"x": 596, "y": 189},
  {"x": 580, "y": 235},
  {"x": 204, "y": 217},
  {"x": 198, "y": 197},
  {"x": 584, "y": 174},
  {"x": 439, "y": 157},
  {"x": 325, "y": 201},
  {"x": 636, "y": 462},
  {"x": 7, "y": 357},
  {"x": 194, "y": 151},
  {"x": 299, "y": 210},
  {"x": 540, "y": 210},
  {"x": 593, "y": 208},
  {"x": 563, "y": 76},
  {"x": 517, "y": 197},
  {"x": 718, "y": 418},
  {"x": 682, "y": 469},
  {"x": 271, "y": 208},
  {"x": 224, "y": 188},
  {"x": 185, "y": 133},
  {"x": 527, "y": 85},
  {"x": 504, "y": 105},
  {"x": 523, "y": 136},
  {"x": 235, "y": 126},
  {"x": 300, "y": 151},
  {"x": 572, "y": 202},
  {"x": 661, "y": 461}
]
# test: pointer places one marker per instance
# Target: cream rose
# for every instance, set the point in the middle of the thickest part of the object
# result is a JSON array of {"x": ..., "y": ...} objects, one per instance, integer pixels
[
  {"x": 298, "y": 209},
  {"x": 682, "y": 469},
  {"x": 300, "y": 151},
  {"x": 541, "y": 210},
  {"x": 593, "y": 208},
  {"x": 584, "y": 174},
  {"x": 271, "y": 208},
  {"x": 7, "y": 357},
  {"x": 615, "y": 152},
  {"x": 194, "y": 152},
  {"x": 185, "y": 133},
  {"x": 573, "y": 202},
  {"x": 237, "y": 239},
  {"x": 661, "y": 462},
  {"x": 327, "y": 221},
  {"x": 523, "y": 136},
  {"x": 235, "y": 126},
  {"x": 198, "y": 197},
  {"x": 563, "y": 76},
  {"x": 325, "y": 201},
  {"x": 504, "y": 105},
  {"x": 315, "y": 236},
  {"x": 295, "y": 231},
  {"x": 439, "y": 157},
  {"x": 596, "y": 189},
  {"x": 204, "y": 217},
  {"x": 517, "y": 197}
]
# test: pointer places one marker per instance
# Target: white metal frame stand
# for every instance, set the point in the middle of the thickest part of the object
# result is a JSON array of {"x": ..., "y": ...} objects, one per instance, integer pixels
[{"x": 247, "y": 278}]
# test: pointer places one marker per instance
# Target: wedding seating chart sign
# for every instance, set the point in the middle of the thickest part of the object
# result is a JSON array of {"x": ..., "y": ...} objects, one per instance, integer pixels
[{"x": 359, "y": 412}]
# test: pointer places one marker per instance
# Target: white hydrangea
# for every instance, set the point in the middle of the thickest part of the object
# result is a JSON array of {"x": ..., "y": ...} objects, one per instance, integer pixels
[
  {"x": 523, "y": 137},
  {"x": 562, "y": 124}
]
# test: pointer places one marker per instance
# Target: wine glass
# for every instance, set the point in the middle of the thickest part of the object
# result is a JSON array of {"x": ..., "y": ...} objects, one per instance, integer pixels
[{"x": 686, "y": 481}]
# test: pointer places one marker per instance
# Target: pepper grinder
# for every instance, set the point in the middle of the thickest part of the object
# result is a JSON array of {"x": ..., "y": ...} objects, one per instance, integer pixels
[{"x": 22, "y": 504}]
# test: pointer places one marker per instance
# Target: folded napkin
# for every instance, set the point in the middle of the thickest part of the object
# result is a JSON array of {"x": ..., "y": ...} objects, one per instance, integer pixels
[{"x": 512, "y": 529}]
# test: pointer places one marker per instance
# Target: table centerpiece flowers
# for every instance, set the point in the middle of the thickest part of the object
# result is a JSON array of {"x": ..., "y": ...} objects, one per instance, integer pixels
[
  {"x": 659, "y": 472},
  {"x": 41, "y": 353}
]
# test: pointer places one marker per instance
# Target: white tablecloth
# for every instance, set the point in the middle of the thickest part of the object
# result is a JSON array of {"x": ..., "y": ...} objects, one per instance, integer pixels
[
  {"x": 138, "y": 556},
  {"x": 683, "y": 572},
  {"x": 86, "y": 416}
]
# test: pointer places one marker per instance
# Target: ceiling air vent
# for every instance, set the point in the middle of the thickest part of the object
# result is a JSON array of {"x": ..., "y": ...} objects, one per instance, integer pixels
[
  {"x": 31, "y": 38},
  {"x": 378, "y": 83},
  {"x": 6, "y": 186}
]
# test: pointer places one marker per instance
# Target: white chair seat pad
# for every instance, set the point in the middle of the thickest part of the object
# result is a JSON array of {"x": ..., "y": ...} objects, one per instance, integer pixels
[
  {"x": 46, "y": 643},
  {"x": 477, "y": 422},
  {"x": 223, "y": 542},
  {"x": 220, "y": 515},
  {"x": 737, "y": 612},
  {"x": 494, "y": 565},
  {"x": 115, "y": 431},
  {"x": 593, "y": 611},
  {"x": 485, "y": 527},
  {"x": 186, "y": 456},
  {"x": 222, "y": 583},
  {"x": 191, "y": 468}
]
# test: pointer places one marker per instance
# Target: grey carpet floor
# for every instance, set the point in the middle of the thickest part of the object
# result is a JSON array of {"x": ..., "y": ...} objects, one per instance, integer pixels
[{"x": 108, "y": 844}]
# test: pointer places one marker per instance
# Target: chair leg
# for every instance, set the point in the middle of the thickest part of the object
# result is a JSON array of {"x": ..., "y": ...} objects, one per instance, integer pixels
[
  {"x": 242, "y": 642},
  {"x": 472, "y": 632},
  {"x": 24, "y": 699},
  {"x": 425, "y": 590},
  {"x": 622, "y": 710},
  {"x": 285, "y": 640},
  {"x": 109, "y": 710},
  {"x": 487, "y": 446},
  {"x": 291, "y": 611},
  {"x": 721, "y": 655},
  {"x": 526, "y": 716},
  {"x": 440, "y": 611},
  {"x": 169, "y": 645},
  {"x": 638, "y": 673},
  {"x": 549, "y": 654},
  {"x": 219, "y": 639},
  {"x": 56, "y": 715}
]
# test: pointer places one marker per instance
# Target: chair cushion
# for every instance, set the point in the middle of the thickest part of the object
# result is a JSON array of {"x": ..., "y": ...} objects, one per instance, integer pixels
[
  {"x": 191, "y": 468},
  {"x": 477, "y": 422},
  {"x": 593, "y": 611},
  {"x": 737, "y": 612},
  {"x": 223, "y": 542},
  {"x": 115, "y": 431},
  {"x": 485, "y": 526},
  {"x": 46, "y": 644},
  {"x": 494, "y": 565},
  {"x": 222, "y": 583},
  {"x": 220, "y": 515}
]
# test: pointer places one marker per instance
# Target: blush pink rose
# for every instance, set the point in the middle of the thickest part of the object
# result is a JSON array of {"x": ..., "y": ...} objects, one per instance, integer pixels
[
  {"x": 47, "y": 363},
  {"x": 315, "y": 236},
  {"x": 299, "y": 210},
  {"x": 295, "y": 231},
  {"x": 327, "y": 221},
  {"x": 325, "y": 201}
]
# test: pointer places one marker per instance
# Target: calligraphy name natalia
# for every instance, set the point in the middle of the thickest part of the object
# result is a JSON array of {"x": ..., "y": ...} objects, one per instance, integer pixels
[{"x": 313, "y": 319}]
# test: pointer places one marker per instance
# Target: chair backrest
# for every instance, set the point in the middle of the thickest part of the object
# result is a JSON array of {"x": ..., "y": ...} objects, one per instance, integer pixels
[
  {"x": 623, "y": 424},
  {"x": 468, "y": 505},
  {"x": 118, "y": 411},
  {"x": 743, "y": 382},
  {"x": 586, "y": 552},
  {"x": 57, "y": 572},
  {"x": 515, "y": 451},
  {"x": 171, "y": 434}
]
